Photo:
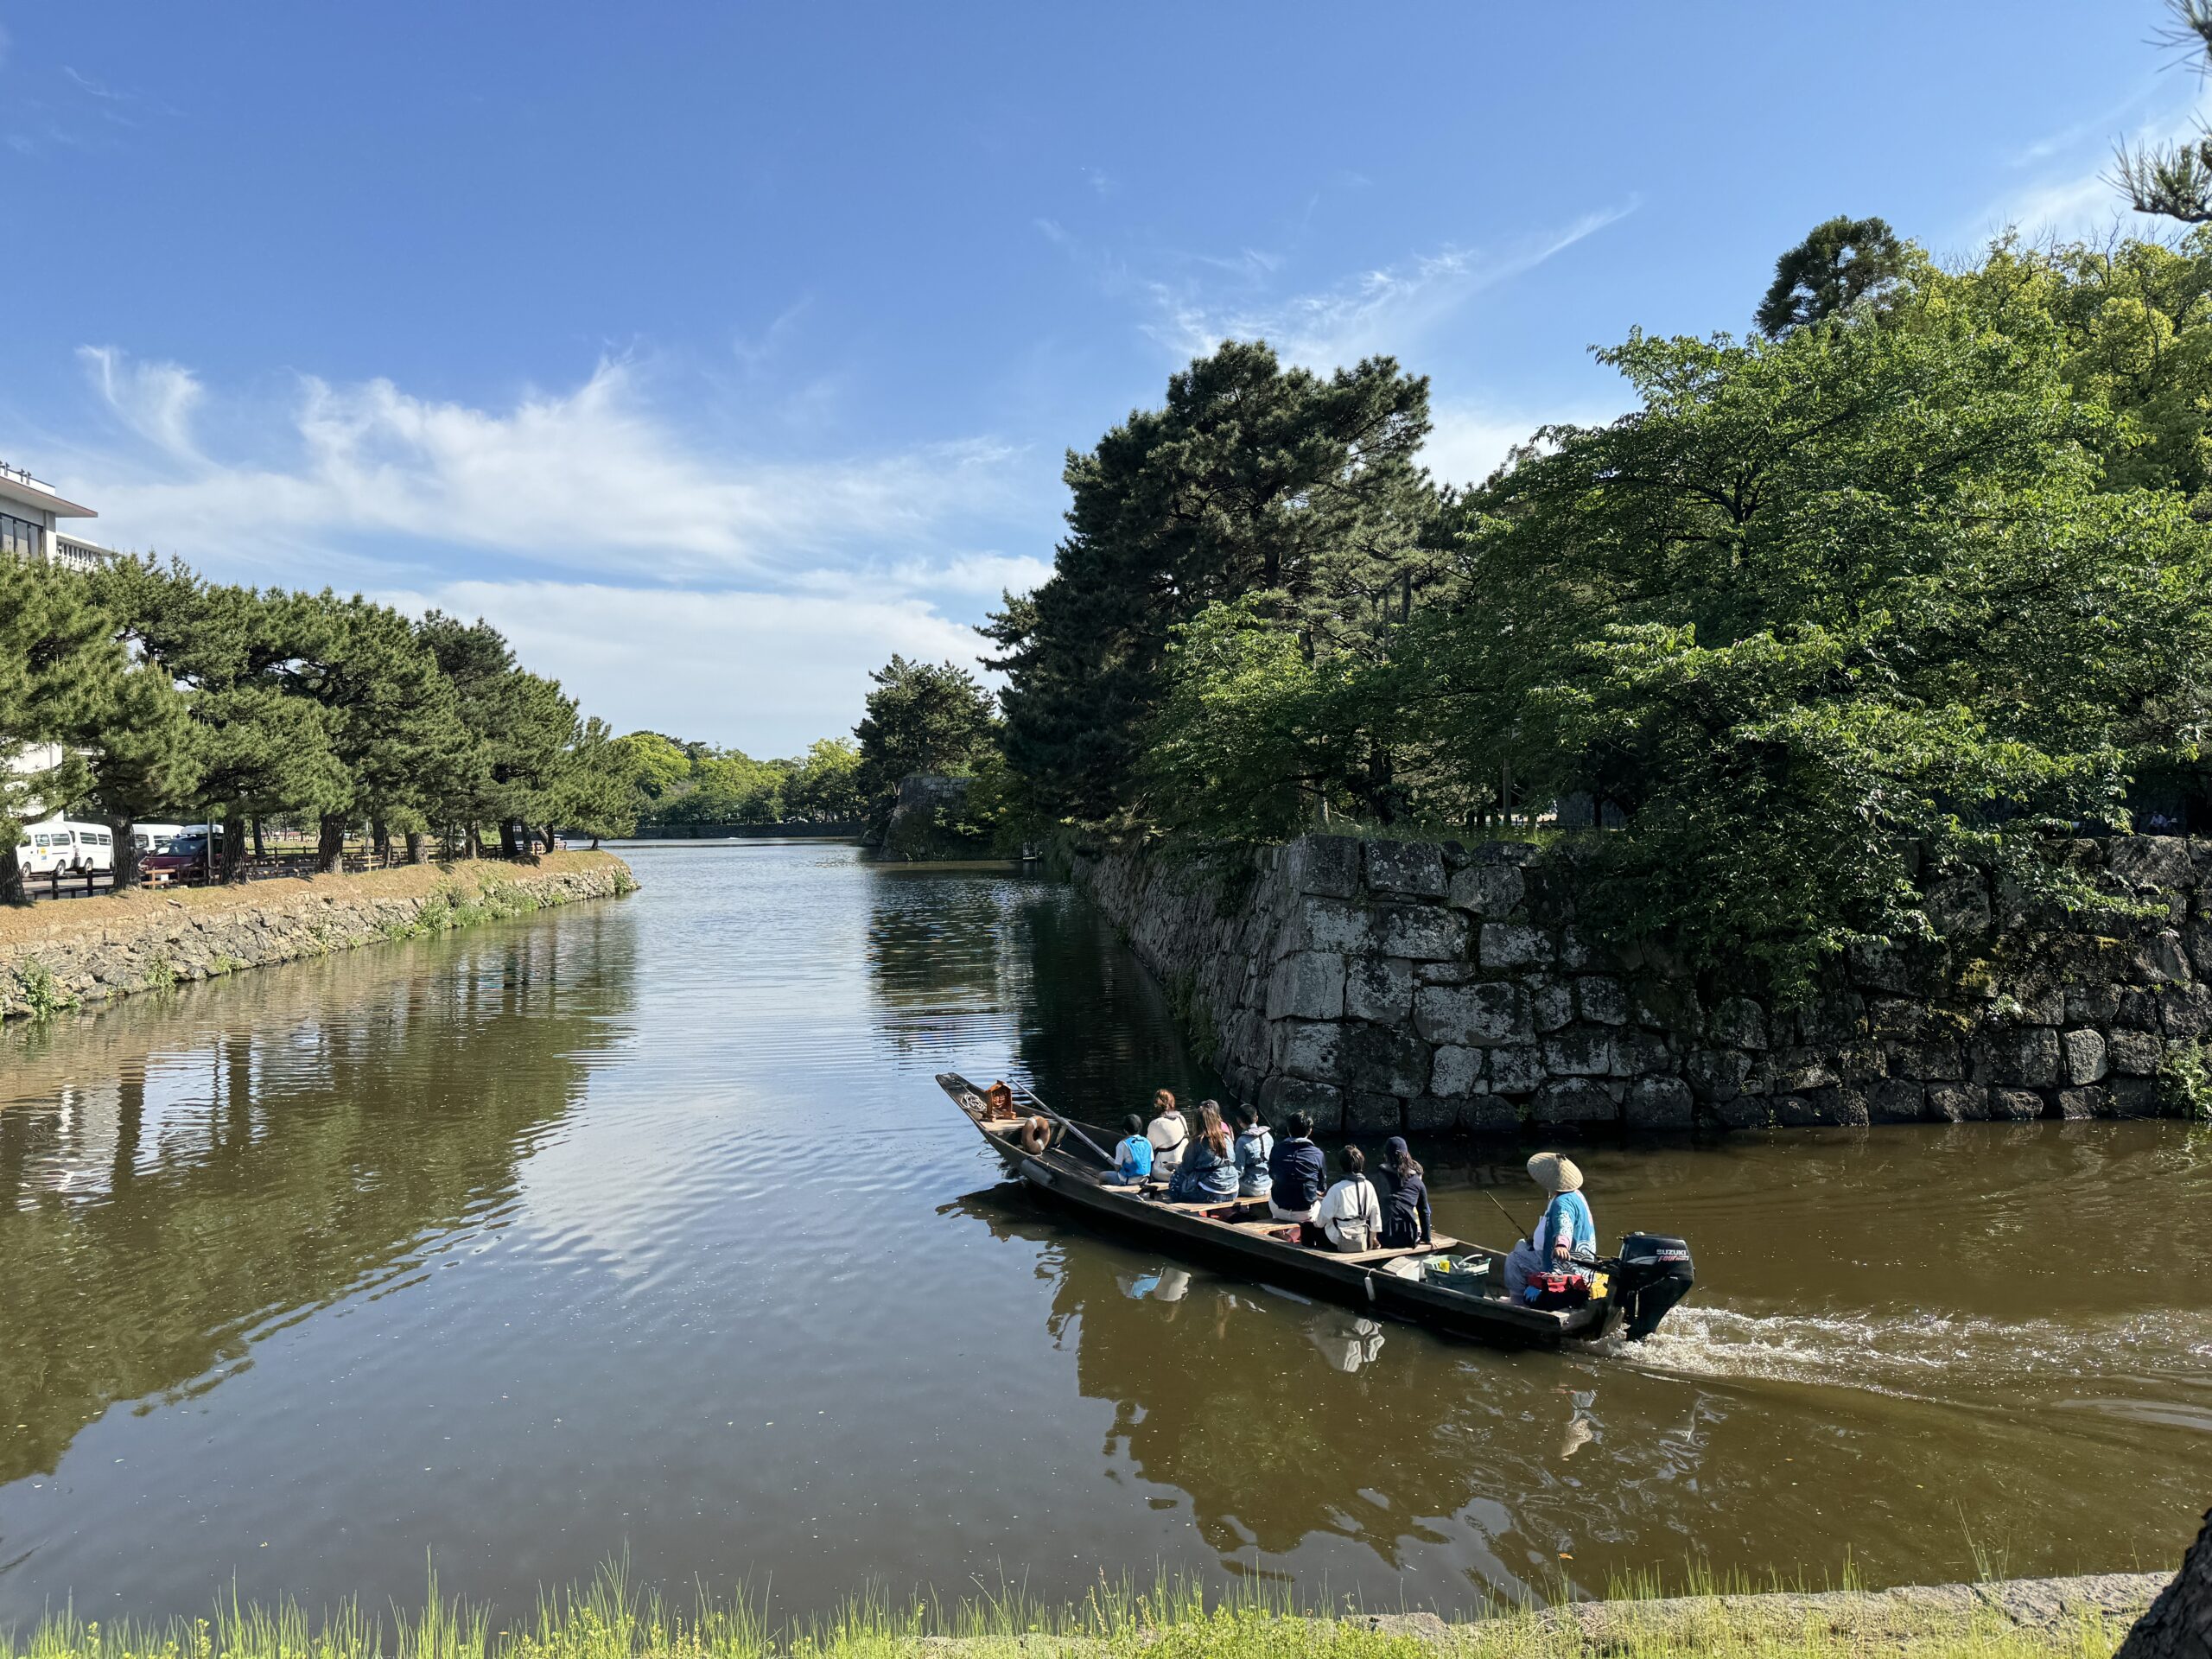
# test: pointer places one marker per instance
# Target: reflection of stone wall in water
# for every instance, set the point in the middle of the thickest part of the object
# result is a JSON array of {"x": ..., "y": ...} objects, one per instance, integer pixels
[
  {"x": 95, "y": 949},
  {"x": 1381, "y": 985},
  {"x": 241, "y": 1174}
]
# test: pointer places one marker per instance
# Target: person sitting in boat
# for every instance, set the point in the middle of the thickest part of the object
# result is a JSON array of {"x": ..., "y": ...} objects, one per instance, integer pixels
[
  {"x": 1254, "y": 1144},
  {"x": 1168, "y": 1134},
  {"x": 1295, "y": 1171},
  {"x": 1208, "y": 1171},
  {"x": 1350, "y": 1217},
  {"x": 1405, "y": 1221},
  {"x": 1566, "y": 1238},
  {"x": 1133, "y": 1157}
]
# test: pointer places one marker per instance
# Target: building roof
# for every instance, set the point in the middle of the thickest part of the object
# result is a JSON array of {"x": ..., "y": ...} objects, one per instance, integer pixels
[{"x": 26, "y": 491}]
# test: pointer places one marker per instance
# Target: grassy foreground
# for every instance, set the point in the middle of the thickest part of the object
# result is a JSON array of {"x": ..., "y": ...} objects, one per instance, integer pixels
[{"x": 610, "y": 1620}]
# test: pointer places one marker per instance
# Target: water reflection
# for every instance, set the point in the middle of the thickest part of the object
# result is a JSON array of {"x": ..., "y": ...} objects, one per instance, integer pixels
[{"x": 189, "y": 1173}]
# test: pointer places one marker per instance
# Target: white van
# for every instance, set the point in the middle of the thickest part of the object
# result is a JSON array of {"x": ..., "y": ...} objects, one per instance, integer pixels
[
  {"x": 155, "y": 838},
  {"x": 65, "y": 845}
]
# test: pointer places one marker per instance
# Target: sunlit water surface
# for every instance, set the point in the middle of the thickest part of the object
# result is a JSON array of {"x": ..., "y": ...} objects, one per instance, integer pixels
[{"x": 639, "y": 1229}]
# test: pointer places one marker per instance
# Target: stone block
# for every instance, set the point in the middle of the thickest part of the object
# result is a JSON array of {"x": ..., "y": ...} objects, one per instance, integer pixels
[
  {"x": 1488, "y": 1114},
  {"x": 1447, "y": 973},
  {"x": 1516, "y": 1071},
  {"x": 1828, "y": 1108},
  {"x": 1373, "y": 1113},
  {"x": 2185, "y": 1012},
  {"x": 1928, "y": 1062},
  {"x": 1456, "y": 1071},
  {"x": 1577, "y": 1100},
  {"x": 1381, "y": 1060},
  {"x": 2152, "y": 861},
  {"x": 1580, "y": 1052},
  {"x": 2138, "y": 1011},
  {"x": 1380, "y": 989},
  {"x": 1309, "y": 985},
  {"x": 1551, "y": 1005},
  {"x": 1659, "y": 1103},
  {"x": 1576, "y": 950},
  {"x": 2016, "y": 1105},
  {"x": 1308, "y": 1049},
  {"x": 1959, "y": 906},
  {"x": 1738, "y": 1022},
  {"x": 1494, "y": 891},
  {"x": 1325, "y": 866},
  {"x": 1332, "y": 924},
  {"x": 1428, "y": 1115},
  {"x": 2090, "y": 1005},
  {"x": 1406, "y": 867},
  {"x": 1717, "y": 1074},
  {"x": 2135, "y": 1053},
  {"x": 2085, "y": 1056},
  {"x": 1901, "y": 1018},
  {"x": 1857, "y": 1063},
  {"x": 1957, "y": 1102},
  {"x": 1743, "y": 1112},
  {"x": 1667, "y": 1005},
  {"x": 1510, "y": 944},
  {"x": 1895, "y": 1100},
  {"x": 1601, "y": 1001},
  {"x": 2163, "y": 960},
  {"x": 1472, "y": 1016},
  {"x": 2023, "y": 1056},
  {"x": 1794, "y": 1071},
  {"x": 2092, "y": 1101},
  {"x": 1878, "y": 967},
  {"x": 1422, "y": 933},
  {"x": 1638, "y": 1052},
  {"x": 1322, "y": 1102}
]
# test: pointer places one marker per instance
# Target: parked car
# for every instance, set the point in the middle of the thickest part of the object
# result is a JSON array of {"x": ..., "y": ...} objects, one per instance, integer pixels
[
  {"x": 186, "y": 856},
  {"x": 67, "y": 846},
  {"x": 155, "y": 838}
]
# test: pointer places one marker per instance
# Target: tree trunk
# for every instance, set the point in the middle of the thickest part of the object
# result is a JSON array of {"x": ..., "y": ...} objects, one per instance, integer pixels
[
  {"x": 11, "y": 879},
  {"x": 475, "y": 839},
  {"x": 330, "y": 847},
  {"x": 510, "y": 846},
  {"x": 2179, "y": 1623},
  {"x": 233, "y": 845},
  {"x": 379, "y": 842},
  {"x": 260, "y": 849},
  {"x": 126, "y": 853}
]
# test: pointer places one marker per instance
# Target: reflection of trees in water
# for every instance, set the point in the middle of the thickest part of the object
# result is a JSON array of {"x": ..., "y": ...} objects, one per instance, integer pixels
[
  {"x": 306, "y": 1139},
  {"x": 1282, "y": 1420}
]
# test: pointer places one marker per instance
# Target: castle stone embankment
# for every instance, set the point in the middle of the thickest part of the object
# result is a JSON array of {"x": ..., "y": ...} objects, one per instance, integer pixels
[
  {"x": 1384, "y": 985},
  {"x": 73, "y": 952}
]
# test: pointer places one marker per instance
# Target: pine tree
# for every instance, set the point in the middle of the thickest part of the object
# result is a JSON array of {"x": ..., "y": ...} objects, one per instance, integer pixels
[
  {"x": 60, "y": 671},
  {"x": 1839, "y": 262}
]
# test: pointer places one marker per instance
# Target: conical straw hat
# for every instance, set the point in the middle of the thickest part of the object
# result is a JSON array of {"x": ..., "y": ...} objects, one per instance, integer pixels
[{"x": 1554, "y": 1174}]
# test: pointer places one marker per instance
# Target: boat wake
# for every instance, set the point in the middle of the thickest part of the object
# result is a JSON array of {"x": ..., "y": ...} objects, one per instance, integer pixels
[{"x": 1917, "y": 1354}]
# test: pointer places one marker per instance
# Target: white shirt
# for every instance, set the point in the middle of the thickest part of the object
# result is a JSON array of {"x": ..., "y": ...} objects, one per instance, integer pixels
[
  {"x": 1169, "y": 1135},
  {"x": 1351, "y": 1214}
]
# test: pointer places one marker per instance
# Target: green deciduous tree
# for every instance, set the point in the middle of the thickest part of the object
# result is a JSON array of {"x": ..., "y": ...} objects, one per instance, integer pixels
[{"x": 825, "y": 782}]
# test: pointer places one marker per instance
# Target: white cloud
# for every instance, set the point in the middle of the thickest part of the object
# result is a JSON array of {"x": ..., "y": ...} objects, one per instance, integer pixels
[
  {"x": 2077, "y": 197},
  {"x": 1389, "y": 309},
  {"x": 768, "y": 672},
  {"x": 1467, "y": 440},
  {"x": 591, "y": 477}
]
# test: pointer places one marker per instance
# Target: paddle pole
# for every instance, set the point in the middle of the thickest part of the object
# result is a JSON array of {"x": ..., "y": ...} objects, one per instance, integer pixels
[{"x": 1064, "y": 1124}]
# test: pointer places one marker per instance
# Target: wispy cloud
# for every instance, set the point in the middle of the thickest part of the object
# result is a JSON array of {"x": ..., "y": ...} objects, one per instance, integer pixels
[
  {"x": 590, "y": 478},
  {"x": 1468, "y": 439},
  {"x": 1386, "y": 309},
  {"x": 94, "y": 87},
  {"x": 2074, "y": 195}
]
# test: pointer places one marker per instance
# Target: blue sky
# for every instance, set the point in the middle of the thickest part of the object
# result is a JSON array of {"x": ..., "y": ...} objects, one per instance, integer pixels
[{"x": 715, "y": 351}]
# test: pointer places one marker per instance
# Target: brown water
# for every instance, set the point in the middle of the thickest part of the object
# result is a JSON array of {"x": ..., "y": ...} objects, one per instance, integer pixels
[{"x": 640, "y": 1228}]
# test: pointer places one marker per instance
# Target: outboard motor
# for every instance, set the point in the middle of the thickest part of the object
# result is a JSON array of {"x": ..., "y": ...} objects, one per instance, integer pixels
[{"x": 1653, "y": 1273}]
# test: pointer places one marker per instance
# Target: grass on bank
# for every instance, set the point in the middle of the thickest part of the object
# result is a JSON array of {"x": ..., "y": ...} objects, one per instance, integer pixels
[{"x": 611, "y": 1619}]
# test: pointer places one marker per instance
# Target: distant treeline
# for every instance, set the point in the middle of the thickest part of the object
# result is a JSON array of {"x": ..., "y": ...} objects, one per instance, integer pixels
[{"x": 680, "y": 783}]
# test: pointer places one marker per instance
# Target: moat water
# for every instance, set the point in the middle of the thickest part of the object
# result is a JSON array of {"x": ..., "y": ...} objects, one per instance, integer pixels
[{"x": 639, "y": 1229}]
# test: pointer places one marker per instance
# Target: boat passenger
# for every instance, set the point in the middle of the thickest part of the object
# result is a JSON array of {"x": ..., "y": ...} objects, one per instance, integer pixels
[
  {"x": 1406, "y": 1222},
  {"x": 1254, "y": 1144},
  {"x": 1168, "y": 1134},
  {"x": 1133, "y": 1157},
  {"x": 1208, "y": 1172},
  {"x": 1351, "y": 1218},
  {"x": 1295, "y": 1171},
  {"x": 1565, "y": 1238}
]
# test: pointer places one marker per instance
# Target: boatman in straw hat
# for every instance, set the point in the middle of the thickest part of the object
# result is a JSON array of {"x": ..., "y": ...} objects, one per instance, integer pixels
[{"x": 1566, "y": 1237}]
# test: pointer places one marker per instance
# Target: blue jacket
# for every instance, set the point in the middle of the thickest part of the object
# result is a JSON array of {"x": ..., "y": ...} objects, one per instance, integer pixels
[
  {"x": 1253, "y": 1148},
  {"x": 1298, "y": 1169},
  {"x": 1567, "y": 1217},
  {"x": 1202, "y": 1176}
]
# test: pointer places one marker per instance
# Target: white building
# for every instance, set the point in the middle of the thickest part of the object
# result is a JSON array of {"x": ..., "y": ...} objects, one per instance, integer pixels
[{"x": 30, "y": 523}]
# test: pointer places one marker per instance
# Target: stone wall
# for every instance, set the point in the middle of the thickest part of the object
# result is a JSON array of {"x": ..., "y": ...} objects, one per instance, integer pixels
[
  {"x": 1383, "y": 985},
  {"x": 72, "y": 952}
]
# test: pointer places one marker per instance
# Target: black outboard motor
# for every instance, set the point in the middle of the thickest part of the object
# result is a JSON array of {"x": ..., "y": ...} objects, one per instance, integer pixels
[{"x": 1653, "y": 1273}]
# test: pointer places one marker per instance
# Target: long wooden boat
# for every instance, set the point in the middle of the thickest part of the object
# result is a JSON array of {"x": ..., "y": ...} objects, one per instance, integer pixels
[{"x": 1631, "y": 1293}]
